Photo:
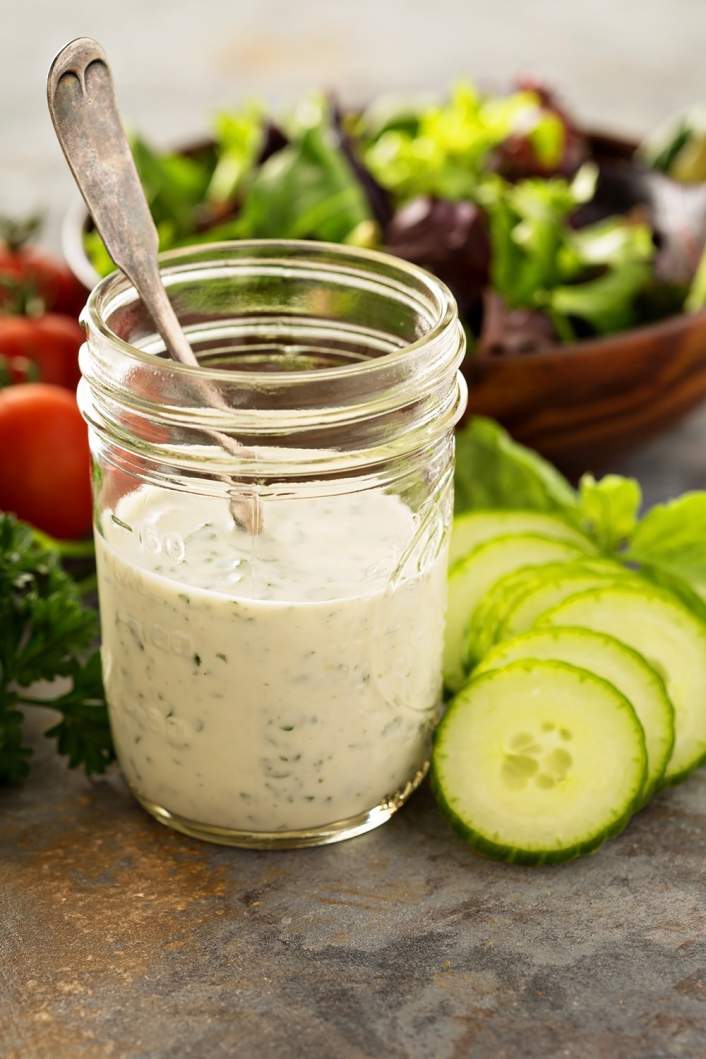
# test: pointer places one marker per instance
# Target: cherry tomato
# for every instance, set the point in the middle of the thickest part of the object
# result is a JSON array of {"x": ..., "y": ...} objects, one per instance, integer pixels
[
  {"x": 51, "y": 280},
  {"x": 17, "y": 369},
  {"x": 50, "y": 341},
  {"x": 45, "y": 463}
]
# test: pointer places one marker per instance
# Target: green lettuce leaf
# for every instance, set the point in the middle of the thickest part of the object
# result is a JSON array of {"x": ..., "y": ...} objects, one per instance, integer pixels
[
  {"x": 307, "y": 190},
  {"x": 528, "y": 230},
  {"x": 97, "y": 253},
  {"x": 174, "y": 185},
  {"x": 606, "y": 303},
  {"x": 612, "y": 242},
  {"x": 678, "y": 148},
  {"x": 668, "y": 545},
  {"x": 442, "y": 155},
  {"x": 492, "y": 470},
  {"x": 672, "y": 538},
  {"x": 696, "y": 298},
  {"x": 548, "y": 138},
  {"x": 442, "y": 149},
  {"x": 239, "y": 136}
]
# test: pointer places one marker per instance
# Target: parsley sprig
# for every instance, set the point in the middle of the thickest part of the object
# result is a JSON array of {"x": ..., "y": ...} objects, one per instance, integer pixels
[{"x": 47, "y": 632}]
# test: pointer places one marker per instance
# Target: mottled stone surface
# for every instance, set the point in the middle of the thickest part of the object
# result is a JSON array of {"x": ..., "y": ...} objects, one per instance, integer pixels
[{"x": 121, "y": 939}]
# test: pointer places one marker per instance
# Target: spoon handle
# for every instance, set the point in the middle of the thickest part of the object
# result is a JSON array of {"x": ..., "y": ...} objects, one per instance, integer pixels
[{"x": 85, "y": 114}]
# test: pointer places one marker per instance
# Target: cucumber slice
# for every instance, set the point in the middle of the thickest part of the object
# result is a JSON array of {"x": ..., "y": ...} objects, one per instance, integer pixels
[
  {"x": 491, "y": 615},
  {"x": 524, "y": 610},
  {"x": 539, "y": 761},
  {"x": 670, "y": 638},
  {"x": 470, "y": 579},
  {"x": 472, "y": 528},
  {"x": 488, "y": 613},
  {"x": 615, "y": 662}
]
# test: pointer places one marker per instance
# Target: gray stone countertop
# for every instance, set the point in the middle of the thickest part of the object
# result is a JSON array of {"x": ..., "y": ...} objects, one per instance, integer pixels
[{"x": 122, "y": 939}]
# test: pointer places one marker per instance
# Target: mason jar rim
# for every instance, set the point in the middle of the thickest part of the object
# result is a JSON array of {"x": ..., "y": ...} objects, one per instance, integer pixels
[
  {"x": 402, "y": 397},
  {"x": 302, "y": 250}
]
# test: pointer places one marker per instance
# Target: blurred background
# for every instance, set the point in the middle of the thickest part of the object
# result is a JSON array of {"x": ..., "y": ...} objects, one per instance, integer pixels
[{"x": 623, "y": 65}]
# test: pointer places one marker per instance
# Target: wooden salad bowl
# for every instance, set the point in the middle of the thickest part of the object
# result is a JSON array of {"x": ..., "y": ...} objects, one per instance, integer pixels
[{"x": 582, "y": 404}]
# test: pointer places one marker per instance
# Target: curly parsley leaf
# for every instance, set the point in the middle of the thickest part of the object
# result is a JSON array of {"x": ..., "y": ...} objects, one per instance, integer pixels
[
  {"x": 46, "y": 632},
  {"x": 83, "y": 733},
  {"x": 14, "y": 756}
]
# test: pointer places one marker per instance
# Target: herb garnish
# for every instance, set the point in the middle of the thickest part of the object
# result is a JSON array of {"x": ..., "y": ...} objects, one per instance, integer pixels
[{"x": 46, "y": 632}]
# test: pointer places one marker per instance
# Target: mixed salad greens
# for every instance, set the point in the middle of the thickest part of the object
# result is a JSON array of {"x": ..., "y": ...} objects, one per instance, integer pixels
[{"x": 544, "y": 234}]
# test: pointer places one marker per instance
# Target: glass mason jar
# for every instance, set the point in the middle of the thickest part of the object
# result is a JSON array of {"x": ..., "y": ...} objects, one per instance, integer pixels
[{"x": 271, "y": 535}]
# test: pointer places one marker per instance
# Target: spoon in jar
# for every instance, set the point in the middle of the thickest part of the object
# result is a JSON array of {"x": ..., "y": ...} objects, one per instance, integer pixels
[{"x": 87, "y": 123}]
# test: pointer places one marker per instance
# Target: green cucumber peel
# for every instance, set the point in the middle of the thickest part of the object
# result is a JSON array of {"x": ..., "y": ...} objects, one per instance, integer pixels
[
  {"x": 615, "y": 661},
  {"x": 501, "y": 799}
]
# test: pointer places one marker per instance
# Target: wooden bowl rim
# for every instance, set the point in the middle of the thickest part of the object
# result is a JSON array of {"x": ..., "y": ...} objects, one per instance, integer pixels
[{"x": 659, "y": 331}]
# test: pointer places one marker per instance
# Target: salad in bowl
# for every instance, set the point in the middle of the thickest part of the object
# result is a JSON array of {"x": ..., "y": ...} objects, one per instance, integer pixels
[{"x": 557, "y": 243}]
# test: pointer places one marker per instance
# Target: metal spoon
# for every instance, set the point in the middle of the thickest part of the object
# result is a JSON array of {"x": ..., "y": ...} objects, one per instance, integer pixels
[{"x": 87, "y": 122}]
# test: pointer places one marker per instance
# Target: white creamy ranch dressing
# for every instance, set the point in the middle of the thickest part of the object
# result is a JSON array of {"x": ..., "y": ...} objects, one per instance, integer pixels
[{"x": 270, "y": 683}]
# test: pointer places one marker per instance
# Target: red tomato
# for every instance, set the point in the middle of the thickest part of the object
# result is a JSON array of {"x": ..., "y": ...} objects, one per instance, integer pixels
[
  {"x": 53, "y": 281},
  {"x": 44, "y": 459},
  {"x": 51, "y": 342},
  {"x": 17, "y": 369}
]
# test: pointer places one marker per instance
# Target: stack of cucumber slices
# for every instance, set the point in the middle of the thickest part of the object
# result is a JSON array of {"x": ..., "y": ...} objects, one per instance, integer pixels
[{"x": 579, "y": 689}]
